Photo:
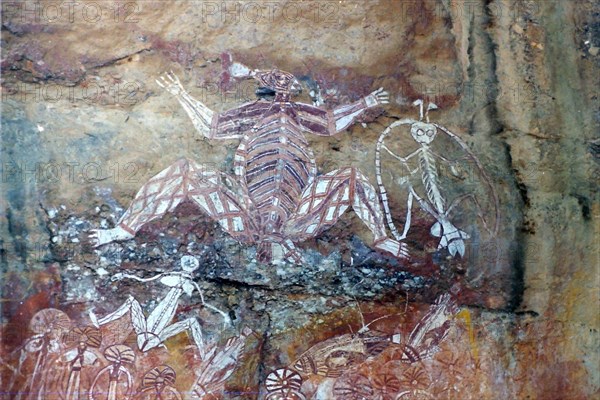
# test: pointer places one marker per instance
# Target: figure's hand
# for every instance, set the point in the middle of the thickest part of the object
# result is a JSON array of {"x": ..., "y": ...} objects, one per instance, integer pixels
[
  {"x": 170, "y": 82},
  {"x": 117, "y": 277},
  {"x": 457, "y": 170},
  {"x": 378, "y": 97}
]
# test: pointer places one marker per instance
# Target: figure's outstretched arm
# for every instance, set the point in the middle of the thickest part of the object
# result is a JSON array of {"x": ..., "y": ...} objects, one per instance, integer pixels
[
  {"x": 344, "y": 116},
  {"x": 226, "y": 319},
  {"x": 118, "y": 276},
  {"x": 231, "y": 124},
  {"x": 200, "y": 115}
]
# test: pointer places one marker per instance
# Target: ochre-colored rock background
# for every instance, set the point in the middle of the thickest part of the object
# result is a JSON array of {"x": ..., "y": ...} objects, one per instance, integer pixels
[{"x": 84, "y": 125}]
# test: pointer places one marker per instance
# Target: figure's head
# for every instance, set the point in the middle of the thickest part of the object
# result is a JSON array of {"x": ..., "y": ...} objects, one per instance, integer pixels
[
  {"x": 189, "y": 263},
  {"x": 276, "y": 80},
  {"x": 423, "y": 132}
]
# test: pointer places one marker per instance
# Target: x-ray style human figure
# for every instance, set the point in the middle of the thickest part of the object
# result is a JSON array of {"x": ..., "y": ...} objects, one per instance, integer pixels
[
  {"x": 114, "y": 382},
  {"x": 153, "y": 330},
  {"x": 433, "y": 201},
  {"x": 276, "y": 198},
  {"x": 48, "y": 326},
  {"x": 86, "y": 340}
]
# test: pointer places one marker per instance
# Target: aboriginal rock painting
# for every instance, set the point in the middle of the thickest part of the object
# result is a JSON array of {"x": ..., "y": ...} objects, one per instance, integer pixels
[
  {"x": 156, "y": 328},
  {"x": 432, "y": 354},
  {"x": 276, "y": 198},
  {"x": 70, "y": 362},
  {"x": 420, "y": 180},
  {"x": 368, "y": 364},
  {"x": 145, "y": 348}
]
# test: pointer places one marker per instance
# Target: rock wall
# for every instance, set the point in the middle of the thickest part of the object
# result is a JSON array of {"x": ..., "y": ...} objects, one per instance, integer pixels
[{"x": 85, "y": 125}]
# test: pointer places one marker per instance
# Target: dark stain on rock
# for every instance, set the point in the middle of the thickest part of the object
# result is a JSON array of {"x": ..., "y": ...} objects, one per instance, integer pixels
[
  {"x": 518, "y": 272},
  {"x": 584, "y": 203},
  {"x": 519, "y": 183}
]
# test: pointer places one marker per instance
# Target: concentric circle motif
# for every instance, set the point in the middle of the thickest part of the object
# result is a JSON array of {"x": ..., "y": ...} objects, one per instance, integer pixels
[
  {"x": 282, "y": 379},
  {"x": 161, "y": 375},
  {"x": 119, "y": 353},
  {"x": 49, "y": 319},
  {"x": 89, "y": 335}
]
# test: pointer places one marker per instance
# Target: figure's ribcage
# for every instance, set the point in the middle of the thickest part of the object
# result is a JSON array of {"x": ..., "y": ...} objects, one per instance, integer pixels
[
  {"x": 276, "y": 164},
  {"x": 429, "y": 176}
]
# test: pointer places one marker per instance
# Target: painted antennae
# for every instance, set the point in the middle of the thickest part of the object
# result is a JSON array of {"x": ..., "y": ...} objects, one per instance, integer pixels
[
  {"x": 431, "y": 106},
  {"x": 420, "y": 104}
]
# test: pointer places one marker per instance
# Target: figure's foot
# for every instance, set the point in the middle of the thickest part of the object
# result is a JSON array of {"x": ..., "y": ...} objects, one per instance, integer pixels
[
  {"x": 393, "y": 247},
  {"x": 452, "y": 238},
  {"x": 98, "y": 237},
  {"x": 291, "y": 253},
  {"x": 455, "y": 247}
]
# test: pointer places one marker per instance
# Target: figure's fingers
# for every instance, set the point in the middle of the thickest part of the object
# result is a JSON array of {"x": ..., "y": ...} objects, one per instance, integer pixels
[
  {"x": 159, "y": 83},
  {"x": 94, "y": 237},
  {"x": 404, "y": 251},
  {"x": 174, "y": 77}
]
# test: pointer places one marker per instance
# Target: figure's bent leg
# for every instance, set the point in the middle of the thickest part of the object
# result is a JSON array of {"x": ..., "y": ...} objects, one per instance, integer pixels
[
  {"x": 164, "y": 192},
  {"x": 161, "y": 194},
  {"x": 190, "y": 324},
  {"x": 138, "y": 320},
  {"x": 131, "y": 304},
  {"x": 326, "y": 199},
  {"x": 221, "y": 198}
]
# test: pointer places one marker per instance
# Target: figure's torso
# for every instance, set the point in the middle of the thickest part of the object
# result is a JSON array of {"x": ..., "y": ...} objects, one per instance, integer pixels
[
  {"x": 164, "y": 312},
  {"x": 275, "y": 163},
  {"x": 429, "y": 177}
]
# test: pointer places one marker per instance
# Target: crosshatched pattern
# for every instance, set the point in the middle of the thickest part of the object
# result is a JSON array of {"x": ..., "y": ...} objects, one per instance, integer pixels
[{"x": 276, "y": 199}]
